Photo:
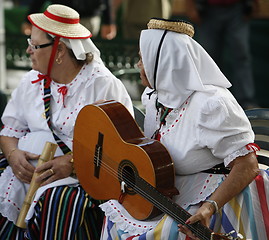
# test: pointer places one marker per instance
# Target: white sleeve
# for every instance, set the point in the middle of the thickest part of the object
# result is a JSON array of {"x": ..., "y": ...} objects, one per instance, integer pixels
[
  {"x": 13, "y": 119},
  {"x": 111, "y": 88},
  {"x": 224, "y": 128}
]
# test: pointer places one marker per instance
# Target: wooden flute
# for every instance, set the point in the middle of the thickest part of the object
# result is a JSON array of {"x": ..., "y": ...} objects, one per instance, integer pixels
[{"x": 47, "y": 154}]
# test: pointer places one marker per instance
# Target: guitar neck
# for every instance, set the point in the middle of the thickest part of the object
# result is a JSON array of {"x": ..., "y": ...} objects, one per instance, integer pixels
[{"x": 166, "y": 205}]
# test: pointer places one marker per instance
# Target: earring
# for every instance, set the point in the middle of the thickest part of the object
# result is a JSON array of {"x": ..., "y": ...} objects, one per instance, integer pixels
[{"x": 59, "y": 60}]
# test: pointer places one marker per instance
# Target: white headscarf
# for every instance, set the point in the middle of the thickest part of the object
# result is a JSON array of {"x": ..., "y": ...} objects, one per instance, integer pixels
[
  {"x": 81, "y": 47},
  {"x": 183, "y": 66}
]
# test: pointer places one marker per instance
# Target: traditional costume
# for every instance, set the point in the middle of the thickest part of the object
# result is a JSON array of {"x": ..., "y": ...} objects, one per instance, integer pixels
[
  {"x": 191, "y": 111},
  {"x": 62, "y": 209}
]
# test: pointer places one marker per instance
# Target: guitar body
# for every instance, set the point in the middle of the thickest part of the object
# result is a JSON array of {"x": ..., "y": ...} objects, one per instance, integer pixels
[
  {"x": 110, "y": 150},
  {"x": 111, "y": 154}
]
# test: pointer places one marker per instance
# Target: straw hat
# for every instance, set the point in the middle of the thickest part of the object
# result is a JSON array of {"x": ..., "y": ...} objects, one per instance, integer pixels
[
  {"x": 178, "y": 26},
  {"x": 61, "y": 21}
]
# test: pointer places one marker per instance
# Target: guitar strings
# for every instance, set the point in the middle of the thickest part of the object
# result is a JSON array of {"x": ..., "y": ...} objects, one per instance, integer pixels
[
  {"x": 108, "y": 163},
  {"x": 110, "y": 169},
  {"x": 156, "y": 203}
]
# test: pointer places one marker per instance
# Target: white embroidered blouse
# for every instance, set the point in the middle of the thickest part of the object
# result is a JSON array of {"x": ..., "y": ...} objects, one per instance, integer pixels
[
  {"x": 25, "y": 111},
  {"x": 24, "y": 119},
  {"x": 209, "y": 128}
]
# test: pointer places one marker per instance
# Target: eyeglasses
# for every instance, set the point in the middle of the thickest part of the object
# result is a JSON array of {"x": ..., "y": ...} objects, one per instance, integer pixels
[{"x": 38, "y": 46}]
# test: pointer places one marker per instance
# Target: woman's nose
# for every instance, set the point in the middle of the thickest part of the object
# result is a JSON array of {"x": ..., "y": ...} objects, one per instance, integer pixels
[{"x": 29, "y": 49}]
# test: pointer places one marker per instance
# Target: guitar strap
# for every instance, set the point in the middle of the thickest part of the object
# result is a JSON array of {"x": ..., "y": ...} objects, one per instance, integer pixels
[{"x": 47, "y": 95}]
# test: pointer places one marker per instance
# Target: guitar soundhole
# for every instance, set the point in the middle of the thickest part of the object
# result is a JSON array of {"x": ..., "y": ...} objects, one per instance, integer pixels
[{"x": 127, "y": 174}]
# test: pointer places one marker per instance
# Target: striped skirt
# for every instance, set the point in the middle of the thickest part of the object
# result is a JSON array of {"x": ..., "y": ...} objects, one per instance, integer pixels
[
  {"x": 61, "y": 213},
  {"x": 247, "y": 214}
]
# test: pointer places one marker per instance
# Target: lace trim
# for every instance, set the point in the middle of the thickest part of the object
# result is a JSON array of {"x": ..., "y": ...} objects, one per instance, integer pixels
[
  {"x": 12, "y": 132},
  {"x": 251, "y": 147},
  {"x": 211, "y": 183},
  {"x": 11, "y": 196},
  {"x": 125, "y": 222}
]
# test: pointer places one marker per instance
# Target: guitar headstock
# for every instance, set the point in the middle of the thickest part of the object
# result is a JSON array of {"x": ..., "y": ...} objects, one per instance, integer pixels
[{"x": 226, "y": 236}]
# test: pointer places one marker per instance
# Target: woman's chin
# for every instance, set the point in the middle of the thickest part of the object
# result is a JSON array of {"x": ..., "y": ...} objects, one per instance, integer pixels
[{"x": 34, "y": 67}]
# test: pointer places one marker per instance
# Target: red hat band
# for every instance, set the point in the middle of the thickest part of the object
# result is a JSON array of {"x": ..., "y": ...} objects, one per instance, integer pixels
[{"x": 61, "y": 19}]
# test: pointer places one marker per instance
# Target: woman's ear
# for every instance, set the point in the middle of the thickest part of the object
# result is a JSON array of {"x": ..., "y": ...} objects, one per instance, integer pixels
[{"x": 61, "y": 50}]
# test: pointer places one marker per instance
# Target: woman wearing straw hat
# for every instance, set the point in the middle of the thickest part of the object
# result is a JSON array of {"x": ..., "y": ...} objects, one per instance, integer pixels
[
  {"x": 67, "y": 74},
  {"x": 190, "y": 110}
]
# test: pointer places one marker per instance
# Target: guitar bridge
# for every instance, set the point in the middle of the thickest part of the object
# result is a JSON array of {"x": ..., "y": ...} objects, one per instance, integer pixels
[{"x": 98, "y": 155}]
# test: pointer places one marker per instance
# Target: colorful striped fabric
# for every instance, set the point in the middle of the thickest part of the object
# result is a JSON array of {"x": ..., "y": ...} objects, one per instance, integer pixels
[
  {"x": 62, "y": 213},
  {"x": 9, "y": 231},
  {"x": 3, "y": 164},
  {"x": 247, "y": 214},
  {"x": 167, "y": 229},
  {"x": 47, "y": 94}
]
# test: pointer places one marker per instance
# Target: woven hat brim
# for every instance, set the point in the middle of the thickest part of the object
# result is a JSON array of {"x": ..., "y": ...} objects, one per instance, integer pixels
[
  {"x": 73, "y": 31},
  {"x": 175, "y": 26}
]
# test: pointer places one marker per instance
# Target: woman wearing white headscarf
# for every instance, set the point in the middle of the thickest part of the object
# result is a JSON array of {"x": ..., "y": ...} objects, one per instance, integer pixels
[
  {"x": 192, "y": 113},
  {"x": 67, "y": 74}
]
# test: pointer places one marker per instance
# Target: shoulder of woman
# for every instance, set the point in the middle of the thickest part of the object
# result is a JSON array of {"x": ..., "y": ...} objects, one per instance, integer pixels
[
  {"x": 97, "y": 71},
  {"x": 27, "y": 79},
  {"x": 218, "y": 107},
  {"x": 219, "y": 100}
]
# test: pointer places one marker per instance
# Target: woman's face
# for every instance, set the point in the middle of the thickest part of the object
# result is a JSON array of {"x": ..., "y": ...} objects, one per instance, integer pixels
[
  {"x": 39, "y": 57},
  {"x": 143, "y": 76}
]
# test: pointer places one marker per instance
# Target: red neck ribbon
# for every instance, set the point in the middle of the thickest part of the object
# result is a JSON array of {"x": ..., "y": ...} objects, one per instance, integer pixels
[{"x": 52, "y": 57}]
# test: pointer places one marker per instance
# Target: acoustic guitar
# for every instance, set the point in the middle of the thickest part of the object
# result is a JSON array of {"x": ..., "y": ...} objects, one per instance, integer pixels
[{"x": 114, "y": 160}]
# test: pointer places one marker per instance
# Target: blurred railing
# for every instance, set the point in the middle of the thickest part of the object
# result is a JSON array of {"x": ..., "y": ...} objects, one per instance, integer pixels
[
  {"x": 16, "y": 57},
  {"x": 120, "y": 56},
  {"x": 117, "y": 54}
]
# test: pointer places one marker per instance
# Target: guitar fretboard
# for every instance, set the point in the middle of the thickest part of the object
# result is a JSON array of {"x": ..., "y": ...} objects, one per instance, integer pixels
[{"x": 166, "y": 205}]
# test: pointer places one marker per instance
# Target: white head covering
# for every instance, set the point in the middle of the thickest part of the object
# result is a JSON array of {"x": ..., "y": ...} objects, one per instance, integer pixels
[
  {"x": 81, "y": 47},
  {"x": 183, "y": 66}
]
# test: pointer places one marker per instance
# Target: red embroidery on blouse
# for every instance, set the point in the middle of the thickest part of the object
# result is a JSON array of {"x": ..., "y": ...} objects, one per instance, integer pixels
[
  {"x": 15, "y": 130},
  {"x": 14, "y": 204},
  {"x": 183, "y": 109}
]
